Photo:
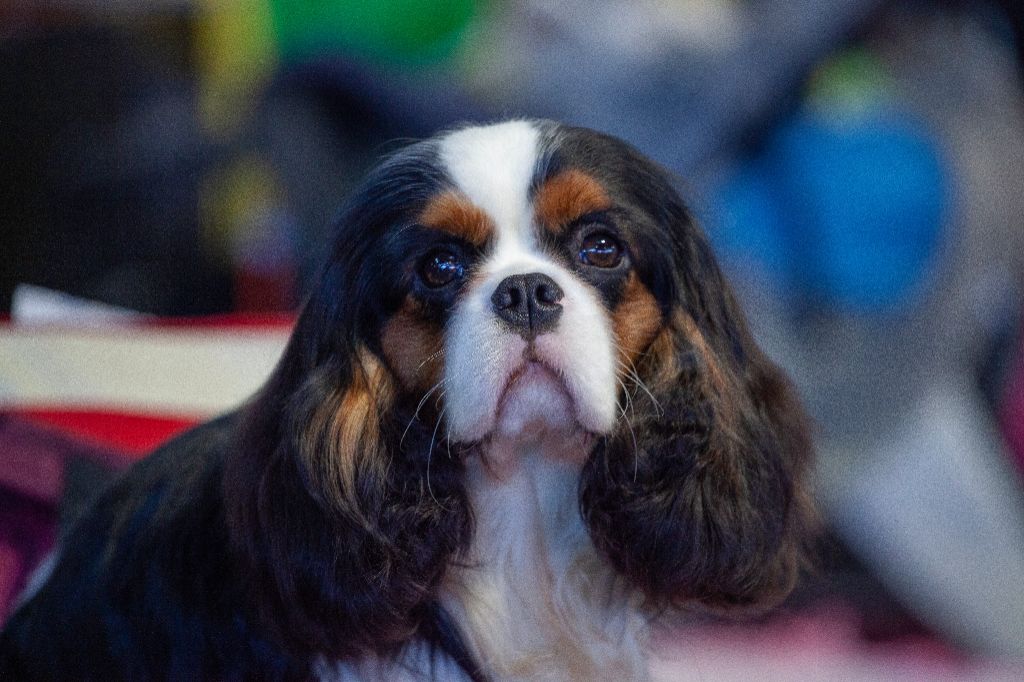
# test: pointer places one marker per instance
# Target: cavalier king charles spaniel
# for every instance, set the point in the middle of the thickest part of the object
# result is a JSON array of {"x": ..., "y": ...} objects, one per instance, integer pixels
[{"x": 520, "y": 417}]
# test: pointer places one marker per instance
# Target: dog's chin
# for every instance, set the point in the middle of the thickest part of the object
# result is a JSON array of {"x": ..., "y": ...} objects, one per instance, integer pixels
[
  {"x": 534, "y": 404},
  {"x": 535, "y": 416}
]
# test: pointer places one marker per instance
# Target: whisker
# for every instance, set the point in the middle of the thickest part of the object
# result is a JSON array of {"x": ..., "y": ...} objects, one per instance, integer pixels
[
  {"x": 631, "y": 372},
  {"x": 416, "y": 412},
  {"x": 430, "y": 455},
  {"x": 629, "y": 425},
  {"x": 636, "y": 452},
  {"x": 625, "y": 394},
  {"x": 430, "y": 357}
]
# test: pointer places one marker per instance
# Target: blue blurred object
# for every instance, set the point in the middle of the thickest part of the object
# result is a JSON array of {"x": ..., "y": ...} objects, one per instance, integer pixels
[
  {"x": 844, "y": 207},
  {"x": 750, "y": 228}
]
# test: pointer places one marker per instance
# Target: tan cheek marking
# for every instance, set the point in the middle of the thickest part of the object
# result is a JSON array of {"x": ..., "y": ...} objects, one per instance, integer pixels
[
  {"x": 662, "y": 364},
  {"x": 414, "y": 348},
  {"x": 635, "y": 321},
  {"x": 455, "y": 214},
  {"x": 715, "y": 376},
  {"x": 568, "y": 196}
]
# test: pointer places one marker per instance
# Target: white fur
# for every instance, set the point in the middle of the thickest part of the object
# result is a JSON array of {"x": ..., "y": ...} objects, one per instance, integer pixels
[
  {"x": 535, "y": 601},
  {"x": 493, "y": 167},
  {"x": 416, "y": 663}
]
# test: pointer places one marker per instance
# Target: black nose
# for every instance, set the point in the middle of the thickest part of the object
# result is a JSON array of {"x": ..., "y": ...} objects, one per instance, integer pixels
[{"x": 528, "y": 303}]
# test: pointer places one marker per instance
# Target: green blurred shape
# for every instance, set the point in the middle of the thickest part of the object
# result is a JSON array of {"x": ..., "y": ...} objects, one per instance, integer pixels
[
  {"x": 854, "y": 81},
  {"x": 388, "y": 31}
]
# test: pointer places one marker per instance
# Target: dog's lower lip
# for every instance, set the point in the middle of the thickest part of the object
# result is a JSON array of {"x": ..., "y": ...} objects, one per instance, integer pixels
[
  {"x": 521, "y": 370},
  {"x": 531, "y": 370}
]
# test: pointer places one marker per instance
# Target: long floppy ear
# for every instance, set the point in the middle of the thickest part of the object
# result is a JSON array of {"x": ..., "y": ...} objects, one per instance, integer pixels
[
  {"x": 703, "y": 497},
  {"x": 340, "y": 535}
]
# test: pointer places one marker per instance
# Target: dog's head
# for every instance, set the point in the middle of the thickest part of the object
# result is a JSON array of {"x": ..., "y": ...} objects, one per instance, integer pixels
[{"x": 517, "y": 286}]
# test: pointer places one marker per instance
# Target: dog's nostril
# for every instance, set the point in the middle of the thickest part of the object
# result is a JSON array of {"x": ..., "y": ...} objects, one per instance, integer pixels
[
  {"x": 501, "y": 299},
  {"x": 529, "y": 304},
  {"x": 509, "y": 297},
  {"x": 548, "y": 293}
]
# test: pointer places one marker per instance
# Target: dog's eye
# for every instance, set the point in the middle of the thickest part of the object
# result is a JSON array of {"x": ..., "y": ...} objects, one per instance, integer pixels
[
  {"x": 440, "y": 268},
  {"x": 601, "y": 250}
]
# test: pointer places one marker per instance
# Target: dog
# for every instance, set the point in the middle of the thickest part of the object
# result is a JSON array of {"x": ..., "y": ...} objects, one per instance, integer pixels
[{"x": 520, "y": 417}]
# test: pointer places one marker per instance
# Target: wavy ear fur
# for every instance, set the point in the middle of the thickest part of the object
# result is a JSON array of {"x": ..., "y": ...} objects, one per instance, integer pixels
[
  {"x": 332, "y": 521},
  {"x": 704, "y": 497},
  {"x": 334, "y": 526}
]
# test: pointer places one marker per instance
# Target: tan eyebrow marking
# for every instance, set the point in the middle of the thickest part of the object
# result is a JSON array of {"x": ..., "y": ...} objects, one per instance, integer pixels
[
  {"x": 453, "y": 213},
  {"x": 568, "y": 196}
]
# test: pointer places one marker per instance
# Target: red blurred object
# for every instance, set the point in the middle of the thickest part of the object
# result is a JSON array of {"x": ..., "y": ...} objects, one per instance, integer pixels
[
  {"x": 264, "y": 291},
  {"x": 132, "y": 434},
  {"x": 33, "y": 464},
  {"x": 47, "y": 436}
]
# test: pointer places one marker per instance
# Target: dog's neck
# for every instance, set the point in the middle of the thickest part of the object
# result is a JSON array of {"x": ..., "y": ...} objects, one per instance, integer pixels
[{"x": 533, "y": 599}]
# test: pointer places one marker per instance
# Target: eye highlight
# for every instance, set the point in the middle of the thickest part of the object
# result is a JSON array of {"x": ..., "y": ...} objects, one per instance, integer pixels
[
  {"x": 440, "y": 268},
  {"x": 600, "y": 250}
]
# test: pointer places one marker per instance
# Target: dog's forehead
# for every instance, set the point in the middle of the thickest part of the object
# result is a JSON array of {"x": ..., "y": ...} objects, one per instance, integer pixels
[
  {"x": 508, "y": 186},
  {"x": 494, "y": 166}
]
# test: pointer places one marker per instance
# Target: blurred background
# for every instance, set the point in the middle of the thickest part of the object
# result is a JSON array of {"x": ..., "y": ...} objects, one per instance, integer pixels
[{"x": 856, "y": 163}]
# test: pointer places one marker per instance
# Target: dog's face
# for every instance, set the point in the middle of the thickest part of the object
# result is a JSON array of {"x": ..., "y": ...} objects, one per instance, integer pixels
[
  {"x": 529, "y": 345},
  {"x": 501, "y": 289},
  {"x": 525, "y": 286}
]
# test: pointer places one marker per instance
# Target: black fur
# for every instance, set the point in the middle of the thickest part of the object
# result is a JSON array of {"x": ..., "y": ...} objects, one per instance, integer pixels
[
  {"x": 225, "y": 555},
  {"x": 146, "y": 587},
  {"x": 701, "y": 496},
  {"x": 303, "y": 526}
]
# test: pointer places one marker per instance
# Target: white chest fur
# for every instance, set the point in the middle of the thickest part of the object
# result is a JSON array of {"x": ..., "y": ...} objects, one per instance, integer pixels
[{"x": 534, "y": 601}]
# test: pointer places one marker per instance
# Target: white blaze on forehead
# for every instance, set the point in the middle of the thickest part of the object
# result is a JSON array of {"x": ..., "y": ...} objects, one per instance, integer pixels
[{"x": 494, "y": 166}]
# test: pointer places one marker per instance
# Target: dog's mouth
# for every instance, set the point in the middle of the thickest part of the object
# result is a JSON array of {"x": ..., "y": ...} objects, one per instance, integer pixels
[
  {"x": 534, "y": 402},
  {"x": 535, "y": 414}
]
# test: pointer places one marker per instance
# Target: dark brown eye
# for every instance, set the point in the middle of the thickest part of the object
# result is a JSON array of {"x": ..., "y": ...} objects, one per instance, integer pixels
[
  {"x": 601, "y": 250},
  {"x": 440, "y": 268}
]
